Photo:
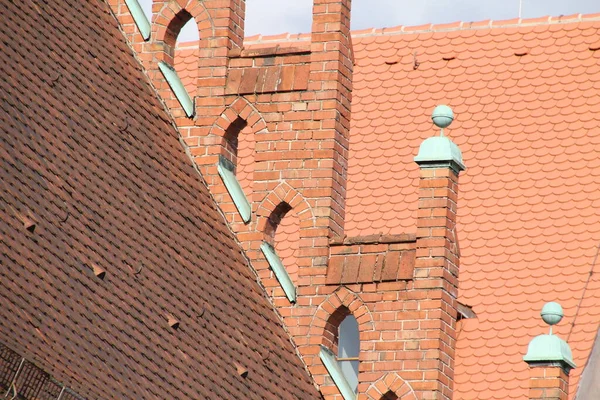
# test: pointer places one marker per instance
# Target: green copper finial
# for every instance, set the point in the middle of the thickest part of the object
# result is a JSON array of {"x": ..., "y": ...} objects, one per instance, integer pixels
[
  {"x": 440, "y": 151},
  {"x": 550, "y": 349},
  {"x": 442, "y": 117},
  {"x": 552, "y": 313}
]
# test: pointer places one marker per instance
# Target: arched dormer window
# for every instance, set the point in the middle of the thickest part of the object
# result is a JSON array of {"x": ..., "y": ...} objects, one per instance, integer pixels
[{"x": 340, "y": 352}]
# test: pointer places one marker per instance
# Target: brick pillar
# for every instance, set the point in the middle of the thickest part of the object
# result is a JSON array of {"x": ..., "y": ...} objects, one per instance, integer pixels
[
  {"x": 436, "y": 262},
  {"x": 330, "y": 80},
  {"x": 436, "y": 272},
  {"x": 550, "y": 360},
  {"x": 548, "y": 382}
]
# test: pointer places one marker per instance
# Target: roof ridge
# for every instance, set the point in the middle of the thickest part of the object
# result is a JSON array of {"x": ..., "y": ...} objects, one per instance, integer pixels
[
  {"x": 411, "y": 29},
  {"x": 485, "y": 24},
  {"x": 259, "y": 38}
]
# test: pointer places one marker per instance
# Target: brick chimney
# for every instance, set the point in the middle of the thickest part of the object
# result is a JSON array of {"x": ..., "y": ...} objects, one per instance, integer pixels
[
  {"x": 437, "y": 253},
  {"x": 550, "y": 360},
  {"x": 548, "y": 382}
]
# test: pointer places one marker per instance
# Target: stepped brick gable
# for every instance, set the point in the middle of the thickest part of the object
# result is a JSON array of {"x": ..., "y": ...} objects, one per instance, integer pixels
[
  {"x": 282, "y": 120},
  {"x": 524, "y": 95}
]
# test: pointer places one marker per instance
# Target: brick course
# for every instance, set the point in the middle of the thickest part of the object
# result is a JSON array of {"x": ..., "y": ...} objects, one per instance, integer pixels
[{"x": 548, "y": 383}]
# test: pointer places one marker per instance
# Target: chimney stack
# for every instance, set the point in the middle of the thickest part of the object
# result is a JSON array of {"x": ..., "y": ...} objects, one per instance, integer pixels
[
  {"x": 550, "y": 360},
  {"x": 437, "y": 254}
]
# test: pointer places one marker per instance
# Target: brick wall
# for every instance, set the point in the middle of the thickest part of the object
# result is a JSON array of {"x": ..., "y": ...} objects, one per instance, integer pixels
[
  {"x": 548, "y": 383},
  {"x": 436, "y": 271},
  {"x": 289, "y": 107}
]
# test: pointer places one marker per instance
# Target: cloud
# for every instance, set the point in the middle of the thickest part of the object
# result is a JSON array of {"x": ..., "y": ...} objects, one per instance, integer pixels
[{"x": 277, "y": 16}]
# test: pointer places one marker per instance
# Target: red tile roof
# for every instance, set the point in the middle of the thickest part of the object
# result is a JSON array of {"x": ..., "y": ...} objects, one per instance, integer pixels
[
  {"x": 527, "y": 105},
  {"x": 186, "y": 60},
  {"x": 526, "y": 95},
  {"x": 94, "y": 178}
]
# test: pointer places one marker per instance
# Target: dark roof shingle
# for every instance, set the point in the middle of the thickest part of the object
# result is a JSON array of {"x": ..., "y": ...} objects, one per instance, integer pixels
[{"x": 90, "y": 156}]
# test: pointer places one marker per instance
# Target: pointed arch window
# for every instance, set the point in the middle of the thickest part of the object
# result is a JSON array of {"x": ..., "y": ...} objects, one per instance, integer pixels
[
  {"x": 167, "y": 66},
  {"x": 348, "y": 349},
  {"x": 342, "y": 359}
]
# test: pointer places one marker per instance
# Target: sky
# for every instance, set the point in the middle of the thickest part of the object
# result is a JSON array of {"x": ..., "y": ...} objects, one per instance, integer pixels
[{"x": 271, "y": 17}]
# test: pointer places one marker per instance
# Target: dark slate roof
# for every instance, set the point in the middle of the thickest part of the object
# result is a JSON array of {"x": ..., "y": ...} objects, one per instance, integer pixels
[{"x": 94, "y": 176}]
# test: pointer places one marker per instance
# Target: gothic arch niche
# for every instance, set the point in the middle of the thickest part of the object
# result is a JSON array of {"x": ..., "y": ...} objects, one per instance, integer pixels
[
  {"x": 231, "y": 137},
  {"x": 279, "y": 217},
  {"x": 340, "y": 351},
  {"x": 237, "y": 126},
  {"x": 245, "y": 157},
  {"x": 342, "y": 302},
  {"x": 181, "y": 45},
  {"x": 326, "y": 323},
  {"x": 282, "y": 231},
  {"x": 181, "y": 29}
]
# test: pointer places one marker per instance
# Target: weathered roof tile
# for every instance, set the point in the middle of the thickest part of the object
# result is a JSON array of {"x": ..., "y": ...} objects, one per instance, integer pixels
[{"x": 90, "y": 151}]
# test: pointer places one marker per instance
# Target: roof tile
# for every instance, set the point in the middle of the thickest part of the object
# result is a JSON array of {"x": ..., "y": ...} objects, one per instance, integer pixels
[
  {"x": 115, "y": 196},
  {"x": 528, "y": 226}
]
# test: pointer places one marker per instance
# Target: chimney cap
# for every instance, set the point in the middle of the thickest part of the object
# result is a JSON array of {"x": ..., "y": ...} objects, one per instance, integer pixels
[
  {"x": 440, "y": 151},
  {"x": 550, "y": 350}
]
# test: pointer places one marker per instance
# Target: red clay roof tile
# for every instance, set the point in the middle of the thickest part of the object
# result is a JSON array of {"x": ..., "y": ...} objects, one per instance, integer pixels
[{"x": 527, "y": 204}]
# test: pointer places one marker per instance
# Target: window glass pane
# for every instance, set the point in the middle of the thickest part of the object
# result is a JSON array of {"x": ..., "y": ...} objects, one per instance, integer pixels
[
  {"x": 348, "y": 345},
  {"x": 350, "y": 371}
]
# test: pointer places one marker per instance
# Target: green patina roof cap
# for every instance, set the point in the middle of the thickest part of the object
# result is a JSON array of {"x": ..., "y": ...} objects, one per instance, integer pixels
[
  {"x": 549, "y": 348},
  {"x": 439, "y": 150},
  {"x": 552, "y": 313}
]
